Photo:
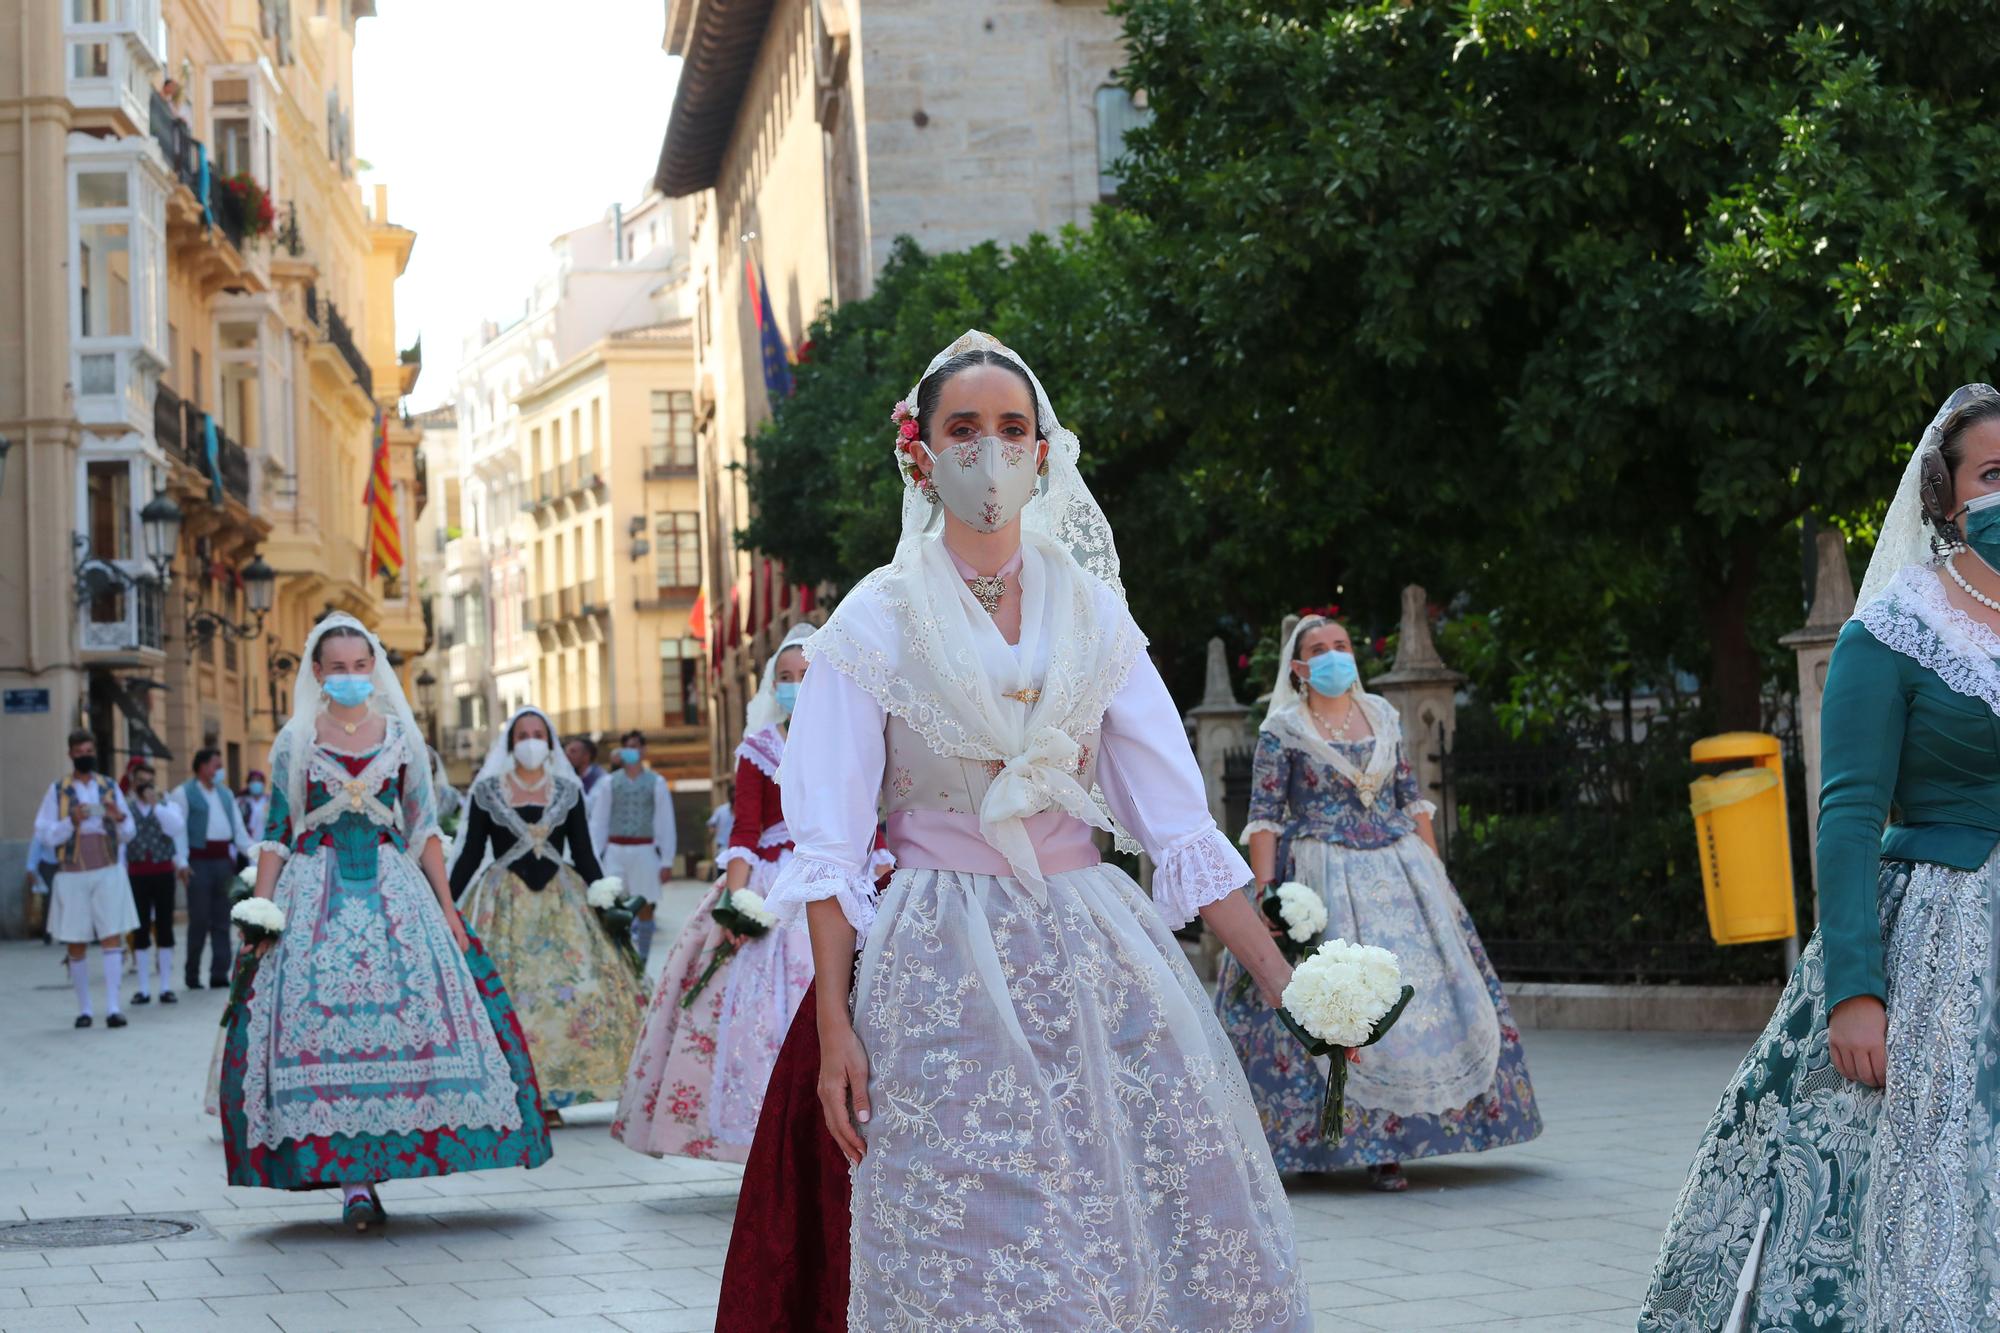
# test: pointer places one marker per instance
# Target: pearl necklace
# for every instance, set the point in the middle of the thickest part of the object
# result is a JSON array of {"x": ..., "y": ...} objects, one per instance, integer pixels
[
  {"x": 1989, "y": 603},
  {"x": 1345, "y": 726}
]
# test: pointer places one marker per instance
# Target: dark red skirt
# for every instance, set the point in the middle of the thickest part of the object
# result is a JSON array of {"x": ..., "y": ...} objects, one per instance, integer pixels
[{"x": 787, "y": 1266}]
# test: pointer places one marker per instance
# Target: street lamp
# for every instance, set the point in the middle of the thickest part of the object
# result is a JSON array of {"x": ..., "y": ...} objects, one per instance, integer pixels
[
  {"x": 259, "y": 584},
  {"x": 203, "y": 625},
  {"x": 160, "y": 521},
  {"x": 278, "y": 663},
  {"x": 427, "y": 691}
]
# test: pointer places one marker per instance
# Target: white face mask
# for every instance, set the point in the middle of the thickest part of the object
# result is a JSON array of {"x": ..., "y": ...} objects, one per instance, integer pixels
[
  {"x": 531, "y": 753},
  {"x": 985, "y": 482}
]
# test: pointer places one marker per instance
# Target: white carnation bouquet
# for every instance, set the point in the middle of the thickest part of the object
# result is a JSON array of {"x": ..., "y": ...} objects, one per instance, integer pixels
[
  {"x": 1300, "y": 915},
  {"x": 616, "y": 911},
  {"x": 1344, "y": 997},
  {"x": 259, "y": 921},
  {"x": 742, "y": 913}
]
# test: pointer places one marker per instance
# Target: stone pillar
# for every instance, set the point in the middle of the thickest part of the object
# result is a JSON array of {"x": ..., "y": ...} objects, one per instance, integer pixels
[
  {"x": 1425, "y": 693},
  {"x": 1217, "y": 725},
  {"x": 1833, "y": 603}
]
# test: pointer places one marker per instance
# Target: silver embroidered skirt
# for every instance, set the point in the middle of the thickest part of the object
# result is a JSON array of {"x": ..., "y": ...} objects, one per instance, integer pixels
[
  {"x": 1061, "y": 1138},
  {"x": 1877, "y": 1210}
]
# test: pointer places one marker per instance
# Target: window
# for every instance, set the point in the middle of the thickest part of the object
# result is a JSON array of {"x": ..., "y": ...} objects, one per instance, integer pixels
[
  {"x": 680, "y": 682},
  {"x": 673, "y": 432},
  {"x": 102, "y": 189},
  {"x": 104, "y": 275},
  {"x": 110, "y": 488},
  {"x": 677, "y": 552},
  {"x": 1117, "y": 115}
]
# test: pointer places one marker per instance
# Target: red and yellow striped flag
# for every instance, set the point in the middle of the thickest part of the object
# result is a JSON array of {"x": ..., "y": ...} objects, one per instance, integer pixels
[{"x": 385, "y": 542}]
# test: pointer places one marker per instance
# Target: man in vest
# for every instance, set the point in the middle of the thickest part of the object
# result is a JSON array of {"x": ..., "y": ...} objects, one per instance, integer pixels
[
  {"x": 632, "y": 826},
  {"x": 82, "y": 820},
  {"x": 205, "y": 853},
  {"x": 149, "y": 864}
]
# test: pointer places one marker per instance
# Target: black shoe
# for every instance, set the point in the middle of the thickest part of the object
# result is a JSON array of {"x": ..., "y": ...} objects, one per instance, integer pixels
[
  {"x": 192, "y": 984},
  {"x": 214, "y": 984},
  {"x": 83, "y": 1020},
  {"x": 142, "y": 998},
  {"x": 115, "y": 1021},
  {"x": 168, "y": 997}
]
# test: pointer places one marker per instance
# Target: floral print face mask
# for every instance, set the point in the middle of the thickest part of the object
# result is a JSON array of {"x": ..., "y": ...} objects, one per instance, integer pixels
[{"x": 986, "y": 482}]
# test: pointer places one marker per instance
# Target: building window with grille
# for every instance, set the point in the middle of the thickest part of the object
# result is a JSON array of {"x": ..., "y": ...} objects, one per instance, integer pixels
[
  {"x": 677, "y": 553},
  {"x": 1118, "y": 114},
  {"x": 672, "y": 448},
  {"x": 680, "y": 682}
]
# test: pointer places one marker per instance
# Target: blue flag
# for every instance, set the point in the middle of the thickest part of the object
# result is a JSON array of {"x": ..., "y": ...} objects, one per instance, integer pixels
[
  {"x": 777, "y": 360},
  {"x": 212, "y": 451}
]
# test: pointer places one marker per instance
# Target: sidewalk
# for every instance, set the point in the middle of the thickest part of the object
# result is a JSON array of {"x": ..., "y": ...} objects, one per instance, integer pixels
[{"x": 1556, "y": 1235}]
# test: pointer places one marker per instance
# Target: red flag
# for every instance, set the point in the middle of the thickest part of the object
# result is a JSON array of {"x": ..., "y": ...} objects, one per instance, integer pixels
[
  {"x": 770, "y": 600},
  {"x": 698, "y": 616},
  {"x": 735, "y": 625},
  {"x": 385, "y": 542},
  {"x": 807, "y": 601}
]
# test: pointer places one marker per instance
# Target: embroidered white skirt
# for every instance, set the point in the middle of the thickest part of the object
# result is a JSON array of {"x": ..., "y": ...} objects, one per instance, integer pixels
[{"x": 1062, "y": 1136}]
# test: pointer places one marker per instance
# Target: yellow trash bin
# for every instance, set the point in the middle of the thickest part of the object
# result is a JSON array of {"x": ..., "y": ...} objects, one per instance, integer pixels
[{"x": 1744, "y": 839}]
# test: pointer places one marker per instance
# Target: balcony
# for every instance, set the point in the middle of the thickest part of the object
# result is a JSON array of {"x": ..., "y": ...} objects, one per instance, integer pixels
[
  {"x": 326, "y": 319},
  {"x": 567, "y": 602},
  {"x": 665, "y": 462},
  {"x": 111, "y": 59},
  {"x": 125, "y": 620},
  {"x": 200, "y": 208},
  {"x": 187, "y": 443}
]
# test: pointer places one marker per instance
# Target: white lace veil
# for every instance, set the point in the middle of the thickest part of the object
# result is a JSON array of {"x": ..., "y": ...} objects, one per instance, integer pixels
[
  {"x": 499, "y": 758},
  {"x": 928, "y": 670},
  {"x": 293, "y": 746},
  {"x": 1063, "y": 509},
  {"x": 1290, "y": 719},
  {"x": 1905, "y": 538},
  {"x": 764, "y": 710}
]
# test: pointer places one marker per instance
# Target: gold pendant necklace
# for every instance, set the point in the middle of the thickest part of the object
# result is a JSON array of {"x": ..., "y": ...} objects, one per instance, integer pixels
[{"x": 987, "y": 590}]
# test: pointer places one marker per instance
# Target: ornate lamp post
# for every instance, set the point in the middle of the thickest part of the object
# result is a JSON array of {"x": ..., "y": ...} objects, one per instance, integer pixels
[{"x": 259, "y": 581}]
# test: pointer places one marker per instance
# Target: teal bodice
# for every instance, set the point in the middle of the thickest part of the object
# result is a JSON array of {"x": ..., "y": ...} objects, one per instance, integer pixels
[
  {"x": 353, "y": 837},
  {"x": 1910, "y": 740}
]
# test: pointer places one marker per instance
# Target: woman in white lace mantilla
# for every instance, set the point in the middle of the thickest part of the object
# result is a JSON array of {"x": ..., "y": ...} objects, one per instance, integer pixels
[
  {"x": 524, "y": 853},
  {"x": 1849, "y": 1178},
  {"x": 1048, "y": 1126},
  {"x": 376, "y": 1040}
]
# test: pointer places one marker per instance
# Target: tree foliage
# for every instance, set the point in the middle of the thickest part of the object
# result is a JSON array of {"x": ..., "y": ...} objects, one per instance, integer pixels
[{"x": 1569, "y": 308}]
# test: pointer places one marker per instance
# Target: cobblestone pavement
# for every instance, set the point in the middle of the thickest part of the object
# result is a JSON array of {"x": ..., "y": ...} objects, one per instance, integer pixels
[{"x": 1555, "y": 1235}]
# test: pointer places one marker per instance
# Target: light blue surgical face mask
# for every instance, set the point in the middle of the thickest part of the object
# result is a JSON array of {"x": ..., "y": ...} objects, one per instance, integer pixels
[
  {"x": 1331, "y": 673},
  {"x": 788, "y": 695},
  {"x": 256, "y": 787},
  {"x": 348, "y": 691},
  {"x": 628, "y": 756},
  {"x": 1981, "y": 526}
]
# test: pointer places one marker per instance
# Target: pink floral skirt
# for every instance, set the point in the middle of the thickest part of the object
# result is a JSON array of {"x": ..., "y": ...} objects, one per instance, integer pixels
[{"x": 663, "y": 1110}]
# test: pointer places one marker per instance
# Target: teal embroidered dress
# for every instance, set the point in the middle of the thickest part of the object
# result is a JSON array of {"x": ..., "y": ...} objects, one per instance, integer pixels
[
  {"x": 370, "y": 1048},
  {"x": 1872, "y": 1209}
]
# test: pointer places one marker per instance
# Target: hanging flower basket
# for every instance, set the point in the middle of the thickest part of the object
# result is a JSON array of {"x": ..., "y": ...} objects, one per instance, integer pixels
[{"x": 260, "y": 215}]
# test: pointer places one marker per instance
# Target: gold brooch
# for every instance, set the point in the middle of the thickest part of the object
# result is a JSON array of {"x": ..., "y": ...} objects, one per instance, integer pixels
[
  {"x": 1030, "y": 695},
  {"x": 987, "y": 590}
]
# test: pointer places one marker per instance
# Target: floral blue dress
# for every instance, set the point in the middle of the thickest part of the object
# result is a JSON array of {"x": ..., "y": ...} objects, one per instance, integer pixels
[{"x": 1451, "y": 1077}]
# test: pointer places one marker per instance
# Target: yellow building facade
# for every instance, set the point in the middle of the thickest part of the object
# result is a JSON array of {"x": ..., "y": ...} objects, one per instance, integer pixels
[
  {"x": 191, "y": 364},
  {"x": 615, "y": 565}
]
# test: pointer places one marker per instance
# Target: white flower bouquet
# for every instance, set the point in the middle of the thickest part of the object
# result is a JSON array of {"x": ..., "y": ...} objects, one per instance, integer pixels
[
  {"x": 1344, "y": 997},
  {"x": 616, "y": 911},
  {"x": 1300, "y": 915},
  {"x": 742, "y": 913},
  {"x": 259, "y": 921}
]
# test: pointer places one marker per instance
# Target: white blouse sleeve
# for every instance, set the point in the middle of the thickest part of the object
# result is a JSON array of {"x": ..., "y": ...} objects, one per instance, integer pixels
[
  {"x": 834, "y": 754},
  {"x": 1155, "y": 789}
]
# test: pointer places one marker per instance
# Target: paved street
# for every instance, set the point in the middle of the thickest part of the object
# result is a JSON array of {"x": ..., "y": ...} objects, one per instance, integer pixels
[{"x": 1557, "y": 1235}]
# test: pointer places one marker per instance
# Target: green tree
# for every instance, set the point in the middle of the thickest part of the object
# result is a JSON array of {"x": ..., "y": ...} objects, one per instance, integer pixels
[{"x": 1578, "y": 305}]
